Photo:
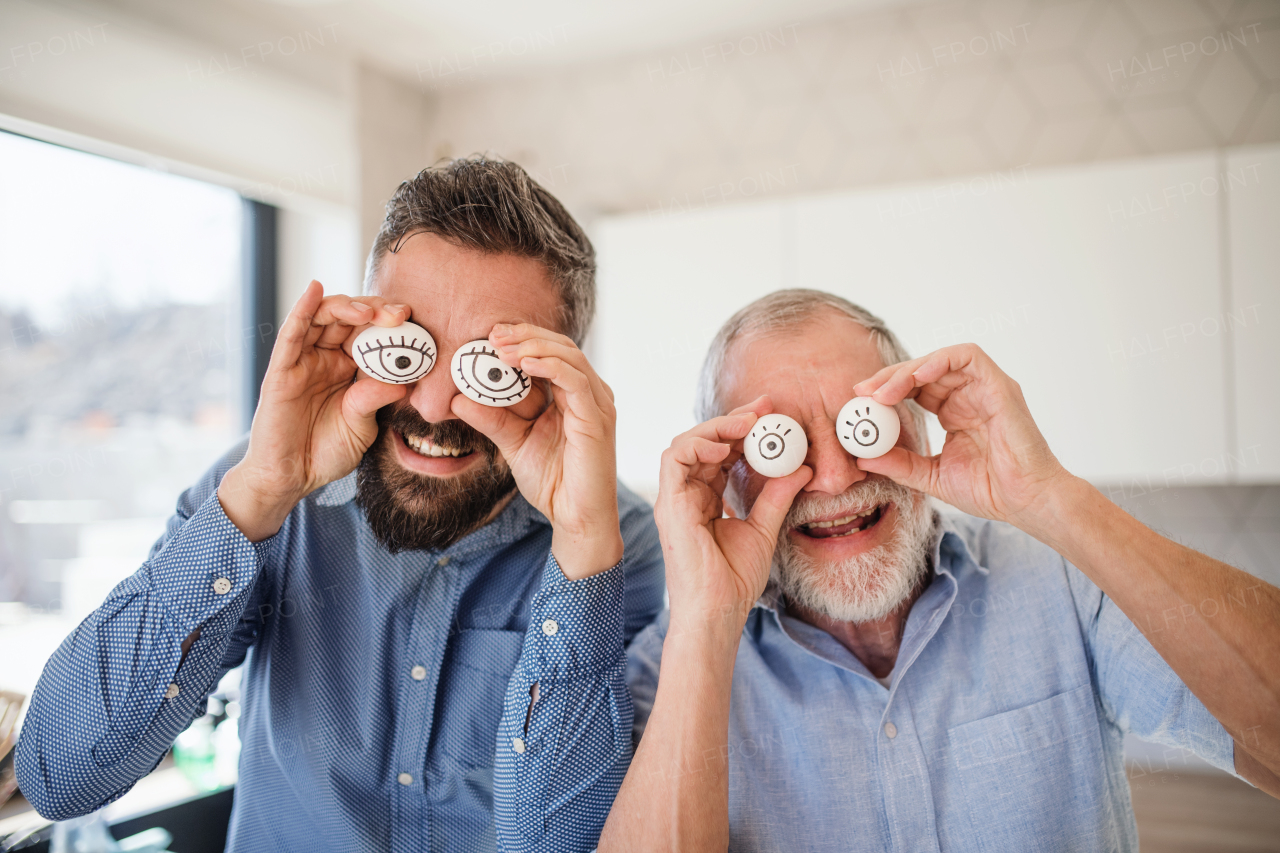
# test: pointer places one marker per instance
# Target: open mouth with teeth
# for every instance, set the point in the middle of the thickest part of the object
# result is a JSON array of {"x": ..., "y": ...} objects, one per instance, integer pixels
[
  {"x": 846, "y": 525},
  {"x": 424, "y": 446}
]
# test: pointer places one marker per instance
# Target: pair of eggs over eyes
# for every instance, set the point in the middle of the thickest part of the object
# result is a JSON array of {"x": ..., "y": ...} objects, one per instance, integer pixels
[
  {"x": 402, "y": 354},
  {"x": 776, "y": 445}
]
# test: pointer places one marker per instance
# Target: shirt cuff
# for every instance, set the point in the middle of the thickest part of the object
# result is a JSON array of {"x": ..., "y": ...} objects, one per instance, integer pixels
[
  {"x": 575, "y": 627},
  {"x": 205, "y": 568}
]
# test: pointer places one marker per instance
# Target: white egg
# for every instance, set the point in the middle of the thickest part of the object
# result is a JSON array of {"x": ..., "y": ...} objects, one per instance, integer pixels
[
  {"x": 396, "y": 355},
  {"x": 485, "y": 378},
  {"x": 867, "y": 429},
  {"x": 776, "y": 446}
]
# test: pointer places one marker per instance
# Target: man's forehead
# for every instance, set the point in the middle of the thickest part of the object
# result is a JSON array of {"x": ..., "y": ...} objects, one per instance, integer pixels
[
  {"x": 440, "y": 279},
  {"x": 822, "y": 355}
]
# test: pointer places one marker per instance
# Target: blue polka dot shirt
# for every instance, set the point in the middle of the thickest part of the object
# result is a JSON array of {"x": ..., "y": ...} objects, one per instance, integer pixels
[{"x": 388, "y": 699}]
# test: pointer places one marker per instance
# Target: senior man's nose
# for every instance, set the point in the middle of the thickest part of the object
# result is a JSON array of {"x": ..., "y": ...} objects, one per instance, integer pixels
[
  {"x": 834, "y": 470},
  {"x": 431, "y": 394}
]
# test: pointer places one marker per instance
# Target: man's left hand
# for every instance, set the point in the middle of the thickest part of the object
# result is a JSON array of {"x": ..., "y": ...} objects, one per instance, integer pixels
[
  {"x": 563, "y": 460},
  {"x": 994, "y": 463}
]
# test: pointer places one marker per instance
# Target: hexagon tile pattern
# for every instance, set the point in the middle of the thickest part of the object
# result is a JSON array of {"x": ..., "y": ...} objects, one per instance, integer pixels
[{"x": 908, "y": 93}]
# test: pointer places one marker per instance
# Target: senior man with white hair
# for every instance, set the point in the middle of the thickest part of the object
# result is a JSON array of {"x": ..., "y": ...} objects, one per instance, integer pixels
[{"x": 843, "y": 668}]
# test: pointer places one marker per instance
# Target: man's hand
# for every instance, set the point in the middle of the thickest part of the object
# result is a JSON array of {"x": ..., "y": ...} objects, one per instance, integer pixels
[
  {"x": 994, "y": 463},
  {"x": 313, "y": 424},
  {"x": 717, "y": 565},
  {"x": 563, "y": 460}
]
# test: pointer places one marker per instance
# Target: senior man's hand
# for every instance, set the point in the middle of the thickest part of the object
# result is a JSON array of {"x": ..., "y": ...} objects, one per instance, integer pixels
[
  {"x": 563, "y": 460},
  {"x": 717, "y": 565},
  {"x": 994, "y": 463}
]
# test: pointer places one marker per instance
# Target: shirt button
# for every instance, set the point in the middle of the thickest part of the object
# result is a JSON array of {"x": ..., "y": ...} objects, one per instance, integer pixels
[
  {"x": 222, "y": 586},
  {"x": 443, "y": 561},
  {"x": 517, "y": 744},
  {"x": 404, "y": 779},
  {"x": 418, "y": 673},
  {"x": 891, "y": 730},
  {"x": 550, "y": 627},
  {"x": 172, "y": 691}
]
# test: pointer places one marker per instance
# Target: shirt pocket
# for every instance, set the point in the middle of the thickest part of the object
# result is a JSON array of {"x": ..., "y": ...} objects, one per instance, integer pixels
[
  {"x": 1034, "y": 778},
  {"x": 477, "y": 668}
]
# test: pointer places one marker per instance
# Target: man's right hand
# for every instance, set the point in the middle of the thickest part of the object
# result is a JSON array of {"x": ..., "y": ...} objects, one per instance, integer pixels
[
  {"x": 313, "y": 424},
  {"x": 717, "y": 567}
]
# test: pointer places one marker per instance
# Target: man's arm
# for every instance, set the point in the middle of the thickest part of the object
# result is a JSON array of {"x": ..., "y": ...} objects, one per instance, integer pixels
[
  {"x": 996, "y": 464},
  {"x": 676, "y": 793},
  {"x": 1226, "y": 653},
  {"x": 131, "y": 677}
]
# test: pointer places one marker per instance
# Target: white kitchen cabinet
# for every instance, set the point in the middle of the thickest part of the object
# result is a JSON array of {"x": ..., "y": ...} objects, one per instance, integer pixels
[
  {"x": 1102, "y": 289},
  {"x": 667, "y": 283},
  {"x": 1252, "y": 326}
]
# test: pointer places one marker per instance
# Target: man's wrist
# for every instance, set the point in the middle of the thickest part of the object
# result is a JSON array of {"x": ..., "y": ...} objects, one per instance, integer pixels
[
  {"x": 1063, "y": 510},
  {"x": 583, "y": 555},
  {"x": 256, "y": 516}
]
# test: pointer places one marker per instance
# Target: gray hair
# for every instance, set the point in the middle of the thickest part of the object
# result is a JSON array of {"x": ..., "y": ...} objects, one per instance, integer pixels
[
  {"x": 782, "y": 310},
  {"x": 493, "y": 205}
]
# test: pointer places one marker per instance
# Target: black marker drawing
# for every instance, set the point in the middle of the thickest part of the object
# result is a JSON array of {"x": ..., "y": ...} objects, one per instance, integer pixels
[
  {"x": 390, "y": 355},
  {"x": 482, "y": 376}
]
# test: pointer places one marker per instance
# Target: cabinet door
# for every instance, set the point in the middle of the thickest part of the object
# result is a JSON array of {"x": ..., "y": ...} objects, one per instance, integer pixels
[
  {"x": 667, "y": 284},
  {"x": 1081, "y": 283},
  {"x": 1250, "y": 325}
]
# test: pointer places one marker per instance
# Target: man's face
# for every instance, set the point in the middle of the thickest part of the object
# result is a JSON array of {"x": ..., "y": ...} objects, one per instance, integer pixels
[
  {"x": 853, "y": 546},
  {"x": 429, "y": 478}
]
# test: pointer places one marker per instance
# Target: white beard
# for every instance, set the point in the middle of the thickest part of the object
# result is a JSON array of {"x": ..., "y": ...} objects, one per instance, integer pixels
[{"x": 867, "y": 586}]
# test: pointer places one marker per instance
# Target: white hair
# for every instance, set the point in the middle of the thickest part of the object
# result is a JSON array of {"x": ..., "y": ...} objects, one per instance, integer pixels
[{"x": 786, "y": 309}]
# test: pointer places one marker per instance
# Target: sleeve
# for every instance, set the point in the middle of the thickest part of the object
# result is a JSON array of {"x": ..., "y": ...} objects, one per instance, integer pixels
[
  {"x": 561, "y": 758},
  {"x": 117, "y": 692},
  {"x": 1140, "y": 693}
]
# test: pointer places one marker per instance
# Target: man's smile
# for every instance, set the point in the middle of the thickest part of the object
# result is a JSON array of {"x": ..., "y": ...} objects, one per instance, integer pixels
[
  {"x": 425, "y": 456},
  {"x": 845, "y": 525}
]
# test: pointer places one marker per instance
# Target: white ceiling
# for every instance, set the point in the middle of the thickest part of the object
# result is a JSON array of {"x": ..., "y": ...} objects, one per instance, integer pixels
[{"x": 409, "y": 37}]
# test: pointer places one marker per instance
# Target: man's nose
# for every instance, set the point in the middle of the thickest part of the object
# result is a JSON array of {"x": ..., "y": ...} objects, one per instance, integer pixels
[
  {"x": 834, "y": 470},
  {"x": 431, "y": 394}
]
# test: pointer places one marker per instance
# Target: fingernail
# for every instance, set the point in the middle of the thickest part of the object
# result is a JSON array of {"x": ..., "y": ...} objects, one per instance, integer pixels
[
  {"x": 509, "y": 348},
  {"x": 404, "y": 308},
  {"x": 360, "y": 305},
  {"x": 502, "y": 330}
]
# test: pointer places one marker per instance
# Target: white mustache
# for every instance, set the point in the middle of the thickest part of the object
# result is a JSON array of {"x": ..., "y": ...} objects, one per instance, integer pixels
[{"x": 861, "y": 496}]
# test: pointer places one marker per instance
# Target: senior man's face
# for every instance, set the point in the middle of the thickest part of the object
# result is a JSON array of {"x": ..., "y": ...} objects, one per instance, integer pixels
[
  {"x": 429, "y": 478},
  {"x": 854, "y": 545}
]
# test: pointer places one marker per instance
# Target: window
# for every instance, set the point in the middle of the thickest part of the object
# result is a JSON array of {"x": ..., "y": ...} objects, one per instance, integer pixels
[{"x": 119, "y": 291}]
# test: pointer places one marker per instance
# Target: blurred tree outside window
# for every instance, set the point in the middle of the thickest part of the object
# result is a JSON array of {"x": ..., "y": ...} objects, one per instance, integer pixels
[{"x": 118, "y": 309}]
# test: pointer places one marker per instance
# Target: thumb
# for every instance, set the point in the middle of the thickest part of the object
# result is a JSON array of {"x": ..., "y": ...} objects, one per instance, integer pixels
[
  {"x": 774, "y": 501},
  {"x": 364, "y": 397},
  {"x": 500, "y": 425},
  {"x": 905, "y": 468}
]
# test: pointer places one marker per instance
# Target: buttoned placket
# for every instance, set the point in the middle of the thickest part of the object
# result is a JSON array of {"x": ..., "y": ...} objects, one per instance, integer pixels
[
  {"x": 417, "y": 694},
  {"x": 909, "y": 818}
]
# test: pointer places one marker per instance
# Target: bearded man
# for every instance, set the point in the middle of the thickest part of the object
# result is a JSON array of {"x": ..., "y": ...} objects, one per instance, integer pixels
[
  {"x": 843, "y": 669},
  {"x": 399, "y": 563}
]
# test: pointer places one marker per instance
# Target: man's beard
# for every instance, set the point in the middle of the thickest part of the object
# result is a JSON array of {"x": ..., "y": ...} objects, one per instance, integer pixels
[
  {"x": 409, "y": 511},
  {"x": 866, "y": 586}
]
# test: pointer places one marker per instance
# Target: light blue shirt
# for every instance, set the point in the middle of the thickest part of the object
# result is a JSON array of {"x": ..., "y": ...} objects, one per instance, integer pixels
[{"x": 1001, "y": 730}]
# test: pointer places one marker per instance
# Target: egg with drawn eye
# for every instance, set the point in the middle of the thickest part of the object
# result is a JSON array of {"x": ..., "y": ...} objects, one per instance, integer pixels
[
  {"x": 487, "y": 379},
  {"x": 396, "y": 355},
  {"x": 776, "y": 446},
  {"x": 867, "y": 429}
]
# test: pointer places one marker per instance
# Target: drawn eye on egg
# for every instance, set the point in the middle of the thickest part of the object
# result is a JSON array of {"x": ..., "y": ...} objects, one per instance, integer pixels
[
  {"x": 867, "y": 429},
  {"x": 396, "y": 355},
  {"x": 485, "y": 378},
  {"x": 775, "y": 446}
]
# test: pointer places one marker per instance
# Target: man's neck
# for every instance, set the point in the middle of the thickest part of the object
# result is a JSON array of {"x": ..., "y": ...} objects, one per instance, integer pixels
[{"x": 875, "y": 643}]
